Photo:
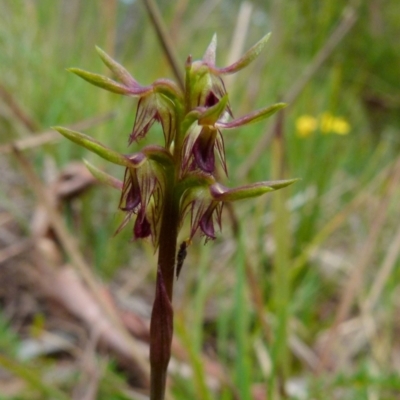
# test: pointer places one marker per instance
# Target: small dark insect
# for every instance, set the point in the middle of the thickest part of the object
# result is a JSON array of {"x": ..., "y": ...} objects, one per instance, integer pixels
[{"x": 180, "y": 258}]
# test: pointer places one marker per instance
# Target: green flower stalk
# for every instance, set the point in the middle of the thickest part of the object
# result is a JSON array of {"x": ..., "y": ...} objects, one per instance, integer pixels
[{"x": 165, "y": 184}]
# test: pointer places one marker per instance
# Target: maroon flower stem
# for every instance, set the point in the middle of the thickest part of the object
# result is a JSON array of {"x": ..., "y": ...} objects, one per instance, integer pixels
[
  {"x": 168, "y": 240},
  {"x": 161, "y": 327}
]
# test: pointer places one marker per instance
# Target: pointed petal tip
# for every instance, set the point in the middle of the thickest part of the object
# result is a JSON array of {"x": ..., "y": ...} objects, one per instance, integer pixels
[
  {"x": 189, "y": 61},
  {"x": 266, "y": 37},
  {"x": 94, "y": 146},
  {"x": 74, "y": 70},
  {"x": 101, "y": 52},
  {"x": 275, "y": 185},
  {"x": 59, "y": 129},
  {"x": 103, "y": 177},
  {"x": 261, "y": 43},
  {"x": 252, "y": 117},
  {"x": 214, "y": 40},
  {"x": 246, "y": 59},
  {"x": 209, "y": 55}
]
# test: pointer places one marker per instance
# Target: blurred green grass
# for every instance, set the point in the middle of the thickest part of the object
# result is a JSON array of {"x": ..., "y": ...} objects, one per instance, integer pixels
[{"x": 310, "y": 241}]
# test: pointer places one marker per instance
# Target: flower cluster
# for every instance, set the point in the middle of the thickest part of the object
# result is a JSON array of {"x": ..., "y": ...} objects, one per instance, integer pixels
[
  {"x": 326, "y": 123},
  {"x": 183, "y": 169}
]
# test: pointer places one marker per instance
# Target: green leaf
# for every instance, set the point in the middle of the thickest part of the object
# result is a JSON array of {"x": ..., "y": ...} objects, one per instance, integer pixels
[
  {"x": 103, "y": 177},
  {"x": 101, "y": 81},
  {"x": 94, "y": 146}
]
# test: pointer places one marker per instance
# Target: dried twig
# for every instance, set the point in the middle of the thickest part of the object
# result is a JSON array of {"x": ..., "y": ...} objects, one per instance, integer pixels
[
  {"x": 15, "y": 249},
  {"x": 238, "y": 38},
  {"x": 71, "y": 248},
  {"x": 383, "y": 274},
  {"x": 17, "y": 110},
  {"x": 355, "y": 281},
  {"x": 48, "y": 136}
]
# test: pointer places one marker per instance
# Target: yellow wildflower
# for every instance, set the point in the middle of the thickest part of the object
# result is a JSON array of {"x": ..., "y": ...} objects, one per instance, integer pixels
[
  {"x": 332, "y": 124},
  {"x": 341, "y": 126},
  {"x": 305, "y": 125}
]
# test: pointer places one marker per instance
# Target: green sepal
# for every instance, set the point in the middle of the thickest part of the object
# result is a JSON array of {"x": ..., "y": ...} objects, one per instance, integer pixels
[
  {"x": 194, "y": 180},
  {"x": 103, "y": 177},
  {"x": 246, "y": 59},
  {"x": 101, "y": 81},
  {"x": 189, "y": 120},
  {"x": 208, "y": 117},
  {"x": 118, "y": 70},
  {"x": 94, "y": 146},
  {"x": 221, "y": 193},
  {"x": 252, "y": 117},
  {"x": 211, "y": 115},
  {"x": 159, "y": 154},
  {"x": 276, "y": 185},
  {"x": 169, "y": 89}
]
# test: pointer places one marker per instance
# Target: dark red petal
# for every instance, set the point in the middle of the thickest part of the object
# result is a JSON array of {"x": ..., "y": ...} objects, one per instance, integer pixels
[
  {"x": 132, "y": 201},
  {"x": 142, "y": 228},
  {"x": 203, "y": 151},
  {"x": 145, "y": 117},
  {"x": 219, "y": 91},
  {"x": 166, "y": 116},
  {"x": 130, "y": 197},
  {"x": 207, "y": 223},
  {"x": 211, "y": 100}
]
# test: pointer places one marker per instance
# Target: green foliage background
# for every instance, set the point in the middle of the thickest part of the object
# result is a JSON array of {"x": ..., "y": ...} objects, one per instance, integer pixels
[{"x": 297, "y": 249}]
